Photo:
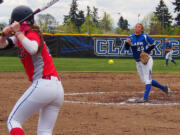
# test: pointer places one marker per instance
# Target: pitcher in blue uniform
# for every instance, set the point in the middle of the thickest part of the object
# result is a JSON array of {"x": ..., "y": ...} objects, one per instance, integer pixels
[
  {"x": 139, "y": 42},
  {"x": 169, "y": 46}
]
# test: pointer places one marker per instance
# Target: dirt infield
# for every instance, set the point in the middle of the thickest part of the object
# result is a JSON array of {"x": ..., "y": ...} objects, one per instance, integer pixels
[{"x": 102, "y": 104}]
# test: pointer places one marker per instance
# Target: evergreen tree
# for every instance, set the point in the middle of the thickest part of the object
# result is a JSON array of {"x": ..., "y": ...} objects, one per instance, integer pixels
[
  {"x": 88, "y": 11},
  {"x": 66, "y": 17},
  {"x": 80, "y": 19},
  {"x": 123, "y": 23},
  {"x": 76, "y": 17},
  {"x": 162, "y": 12},
  {"x": 120, "y": 22},
  {"x": 95, "y": 16},
  {"x": 73, "y": 11},
  {"x": 177, "y": 9}
]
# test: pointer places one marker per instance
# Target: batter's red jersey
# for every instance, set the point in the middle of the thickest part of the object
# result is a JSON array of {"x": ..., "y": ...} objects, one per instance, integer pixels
[{"x": 39, "y": 65}]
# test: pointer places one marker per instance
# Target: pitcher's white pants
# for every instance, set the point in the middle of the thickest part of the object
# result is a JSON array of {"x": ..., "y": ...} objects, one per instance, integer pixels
[
  {"x": 169, "y": 55},
  {"x": 43, "y": 95},
  {"x": 145, "y": 71}
]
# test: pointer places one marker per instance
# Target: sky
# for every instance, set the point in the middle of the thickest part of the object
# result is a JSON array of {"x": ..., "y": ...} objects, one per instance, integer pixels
[{"x": 128, "y": 9}]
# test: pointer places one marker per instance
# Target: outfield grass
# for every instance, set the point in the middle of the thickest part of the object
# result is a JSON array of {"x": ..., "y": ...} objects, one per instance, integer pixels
[{"x": 12, "y": 64}]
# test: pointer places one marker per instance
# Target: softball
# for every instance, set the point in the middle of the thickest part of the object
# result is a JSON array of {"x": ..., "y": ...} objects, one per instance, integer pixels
[{"x": 110, "y": 62}]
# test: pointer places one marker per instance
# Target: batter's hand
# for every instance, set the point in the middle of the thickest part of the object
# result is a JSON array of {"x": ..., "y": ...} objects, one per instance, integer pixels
[
  {"x": 7, "y": 32},
  {"x": 15, "y": 26}
]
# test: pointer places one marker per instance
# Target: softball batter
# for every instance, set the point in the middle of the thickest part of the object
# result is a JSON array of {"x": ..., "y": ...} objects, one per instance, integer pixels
[
  {"x": 142, "y": 42},
  {"x": 46, "y": 93},
  {"x": 169, "y": 51}
]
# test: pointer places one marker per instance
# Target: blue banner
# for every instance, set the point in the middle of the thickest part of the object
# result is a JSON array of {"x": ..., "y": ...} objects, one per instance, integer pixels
[
  {"x": 98, "y": 46},
  {"x": 113, "y": 46}
]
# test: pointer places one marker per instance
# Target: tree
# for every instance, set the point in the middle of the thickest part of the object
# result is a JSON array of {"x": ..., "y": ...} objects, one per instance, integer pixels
[
  {"x": 95, "y": 16},
  {"x": 71, "y": 28},
  {"x": 163, "y": 15},
  {"x": 73, "y": 11},
  {"x": 80, "y": 19},
  {"x": 126, "y": 24},
  {"x": 66, "y": 17},
  {"x": 46, "y": 21},
  {"x": 155, "y": 25},
  {"x": 89, "y": 26},
  {"x": 151, "y": 24},
  {"x": 123, "y": 23},
  {"x": 146, "y": 21},
  {"x": 76, "y": 17},
  {"x": 106, "y": 23},
  {"x": 120, "y": 22},
  {"x": 88, "y": 11},
  {"x": 91, "y": 22},
  {"x": 177, "y": 30},
  {"x": 177, "y": 9}
]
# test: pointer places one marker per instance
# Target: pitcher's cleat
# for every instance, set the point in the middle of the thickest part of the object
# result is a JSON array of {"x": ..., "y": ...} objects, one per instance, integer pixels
[
  {"x": 167, "y": 89},
  {"x": 141, "y": 100}
]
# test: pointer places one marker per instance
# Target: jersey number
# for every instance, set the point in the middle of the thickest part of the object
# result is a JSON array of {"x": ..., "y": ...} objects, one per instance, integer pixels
[{"x": 140, "y": 48}]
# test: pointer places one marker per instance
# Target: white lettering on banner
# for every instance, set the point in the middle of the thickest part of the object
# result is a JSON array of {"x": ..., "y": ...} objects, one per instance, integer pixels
[{"x": 108, "y": 46}]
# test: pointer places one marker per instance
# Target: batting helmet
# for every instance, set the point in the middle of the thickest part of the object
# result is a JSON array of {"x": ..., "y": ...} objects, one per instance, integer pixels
[{"x": 20, "y": 13}]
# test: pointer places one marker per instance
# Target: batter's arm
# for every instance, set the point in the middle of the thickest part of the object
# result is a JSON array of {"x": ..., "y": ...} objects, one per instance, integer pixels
[
  {"x": 30, "y": 46},
  {"x": 5, "y": 41},
  {"x": 8, "y": 44}
]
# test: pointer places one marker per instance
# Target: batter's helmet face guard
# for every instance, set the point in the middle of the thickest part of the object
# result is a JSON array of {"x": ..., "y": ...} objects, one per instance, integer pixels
[{"x": 20, "y": 13}]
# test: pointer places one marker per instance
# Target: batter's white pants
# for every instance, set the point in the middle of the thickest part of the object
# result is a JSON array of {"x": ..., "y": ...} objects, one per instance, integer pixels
[
  {"x": 145, "y": 71},
  {"x": 169, "y": 55},
  {"x": 43, "y": 95}
]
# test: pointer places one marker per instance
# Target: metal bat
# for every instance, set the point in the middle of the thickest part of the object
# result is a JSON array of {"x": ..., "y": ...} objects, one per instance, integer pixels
[{"x": 37, "y": 11}]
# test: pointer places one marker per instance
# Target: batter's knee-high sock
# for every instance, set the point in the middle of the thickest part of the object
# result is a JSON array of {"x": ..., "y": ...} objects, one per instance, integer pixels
[
  {"x": 173, "y": 61},
  {"x": 157, "y": 84},
  {"x": 147, "y": 91},
  {"x": 166, "y": 62},
  {"x": 17, "y": 131}
]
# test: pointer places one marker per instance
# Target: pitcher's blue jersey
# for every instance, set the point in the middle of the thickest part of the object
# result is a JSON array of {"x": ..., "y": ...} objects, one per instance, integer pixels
[
  {"x": 140, "y": 43},
  {"x": 168, "y": 45}
]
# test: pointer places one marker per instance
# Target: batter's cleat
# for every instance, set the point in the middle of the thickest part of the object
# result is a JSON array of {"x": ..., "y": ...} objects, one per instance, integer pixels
[
  {"x": 141, "y": 100},
  {"x": 167, "y": 89}
]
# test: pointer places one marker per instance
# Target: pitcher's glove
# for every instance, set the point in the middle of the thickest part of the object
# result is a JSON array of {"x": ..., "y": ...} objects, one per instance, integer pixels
[
  {"x": 144, "y": 57},
  {"x": 167, "y": 50}
]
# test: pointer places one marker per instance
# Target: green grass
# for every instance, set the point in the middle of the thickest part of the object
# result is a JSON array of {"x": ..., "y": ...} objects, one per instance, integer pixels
[{"x": 13, "y": 64}]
